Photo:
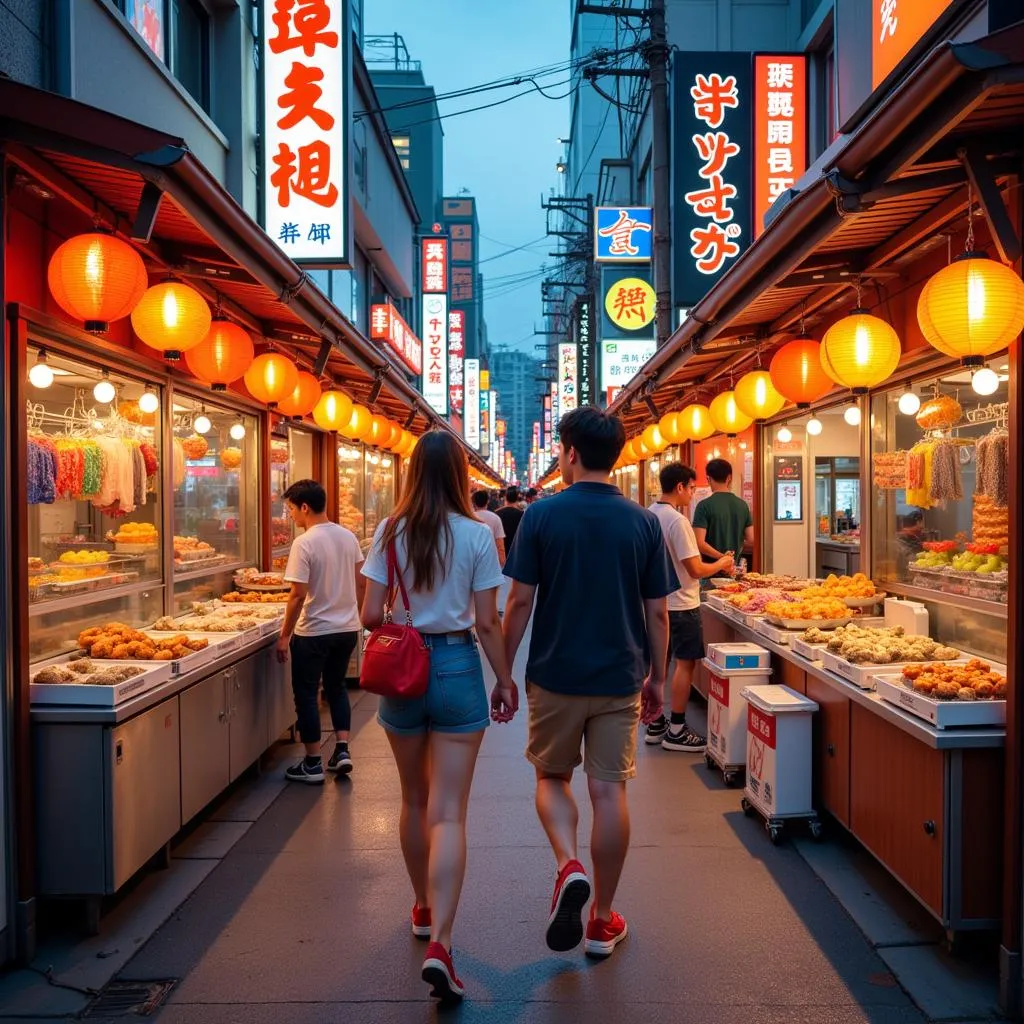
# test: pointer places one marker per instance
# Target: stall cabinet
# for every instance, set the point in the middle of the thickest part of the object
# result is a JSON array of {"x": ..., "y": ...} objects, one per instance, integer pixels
[
  {"x": 831, "y": 749},
  {"x": 248, "y": 684},
  {"x": 206, "y": 752}
]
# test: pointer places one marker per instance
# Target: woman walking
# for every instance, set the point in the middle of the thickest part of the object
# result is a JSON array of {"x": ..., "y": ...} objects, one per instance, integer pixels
[{"x": 447, "y": 560}]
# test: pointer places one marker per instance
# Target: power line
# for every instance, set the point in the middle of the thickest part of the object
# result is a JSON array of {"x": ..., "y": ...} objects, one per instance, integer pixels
[{"x": 509, "y": 252}]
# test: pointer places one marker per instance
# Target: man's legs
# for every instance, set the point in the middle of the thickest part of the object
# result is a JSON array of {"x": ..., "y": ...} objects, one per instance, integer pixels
[
  {"x": 558, "y": 813},
  {"x": 687, "y": 646},
  {"x": 307, "y": 667},
  {"x": 609, "y": 841},
  {"x": 335, "y": 687}
]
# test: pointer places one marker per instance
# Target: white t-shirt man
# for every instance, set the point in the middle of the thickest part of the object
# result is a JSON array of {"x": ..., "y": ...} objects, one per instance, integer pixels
[
  {"x": 681, "y": 543},
  {"x": 325, "y": 559},
  {"x": 492, "y": 521}
]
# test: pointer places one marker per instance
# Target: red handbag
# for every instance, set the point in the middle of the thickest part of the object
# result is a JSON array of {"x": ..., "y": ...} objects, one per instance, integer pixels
[{"x": 396, "y": 661}]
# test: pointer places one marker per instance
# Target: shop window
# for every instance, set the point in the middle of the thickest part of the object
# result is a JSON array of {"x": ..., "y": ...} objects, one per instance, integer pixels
[
  {"x": 379, "y": 468},
  {"x": 291, "y": 459},
  {"x": 401, "y": 144},
  {"x": 350, "y": 490},
  {"x": 94, "y": 504}
]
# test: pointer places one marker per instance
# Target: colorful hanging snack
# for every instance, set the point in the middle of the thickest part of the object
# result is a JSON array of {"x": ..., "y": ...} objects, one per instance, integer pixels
[
  {"x": 179, "y": 462},
  {"x": 42, "y": 471},
  {"x": 231, "y": 458},
  {"x": 993, "y": 458},
  {"x": 195, "y": 447},
  {"x": 890, "y": 470},
  {"x": 939, "y": 413}
]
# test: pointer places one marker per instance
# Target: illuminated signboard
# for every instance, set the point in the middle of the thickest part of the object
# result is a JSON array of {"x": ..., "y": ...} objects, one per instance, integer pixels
[
  {"x": 556, "y": 414},
  {"x": 896, "y": 25},
  {"x": 546, "y": 434},
  {"x": 584, "y": 351},
  {"x": 456, "y": 358},
  {"x": 306, "y": 69},
  {"x": 621, "y": 361},
  {"x": 780, "y": 129},
  {"x": 471, "y": 421},
  {"x": 627, "y": 303},
  {"x": 387, "y": 325},
  {"x": 623, "y": 234},
  {"x": 492, "y": 419},
  {"x": 433, "y": 265},
  {"x": 435, "y": 344},
  {"x": 568, "y": 397},
  {"x": 713, "y": 107}
]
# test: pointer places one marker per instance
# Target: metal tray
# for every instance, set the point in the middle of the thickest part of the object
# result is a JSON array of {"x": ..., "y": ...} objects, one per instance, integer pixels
[
  {"x": 864, "y": 602},
  {"x": 942, "y": 714},
  {"x": 864, "y": 675},
  {"x": 220, "y": 643},
  {"x": 812, "y": 652},
  {"x": 263, "y": 587},
  {"x": 95, "y": 694},
  {"x": 776, "y": 634},
  {"x": 802, "y": 624}
]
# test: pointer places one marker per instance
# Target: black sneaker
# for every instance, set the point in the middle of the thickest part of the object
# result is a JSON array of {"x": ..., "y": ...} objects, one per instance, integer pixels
[
  {"x": 340, "y": 762},
  {"x": 302, "y": 772},
  {"x": 684, "y": 739},
  {"x": 656, "y": 730}
]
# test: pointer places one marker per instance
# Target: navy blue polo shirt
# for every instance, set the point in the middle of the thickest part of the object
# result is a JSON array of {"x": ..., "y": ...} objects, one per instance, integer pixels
[{"x": 594, "y": 557}]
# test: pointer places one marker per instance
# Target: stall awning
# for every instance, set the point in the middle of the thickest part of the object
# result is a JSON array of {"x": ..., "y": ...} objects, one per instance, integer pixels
[
  {"x": 103, "y": 164},
  {"x": 884, "y": 196}
]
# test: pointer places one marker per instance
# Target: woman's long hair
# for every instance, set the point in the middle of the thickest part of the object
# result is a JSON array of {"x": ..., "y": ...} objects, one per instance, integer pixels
[{"x": 437, "y": 484}]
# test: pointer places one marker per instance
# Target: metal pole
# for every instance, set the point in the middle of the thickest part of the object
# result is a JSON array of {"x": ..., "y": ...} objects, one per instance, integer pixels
[{"x": 657, "y": 59}]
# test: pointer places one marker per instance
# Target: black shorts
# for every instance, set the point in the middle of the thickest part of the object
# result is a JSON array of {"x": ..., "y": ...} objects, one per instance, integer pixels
[{"x": 685, "y": 636}]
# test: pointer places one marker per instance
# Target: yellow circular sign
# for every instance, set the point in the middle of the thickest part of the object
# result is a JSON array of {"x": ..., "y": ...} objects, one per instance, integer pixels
[{"x": 629, "y": 303}]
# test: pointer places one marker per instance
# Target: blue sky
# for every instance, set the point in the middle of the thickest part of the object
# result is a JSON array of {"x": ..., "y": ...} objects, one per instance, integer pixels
[{"x": 504, "y": 156}]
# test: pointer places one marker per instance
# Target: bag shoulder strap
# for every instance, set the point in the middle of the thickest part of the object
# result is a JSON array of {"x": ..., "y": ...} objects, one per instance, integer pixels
[{"x": 393, "y": 572}]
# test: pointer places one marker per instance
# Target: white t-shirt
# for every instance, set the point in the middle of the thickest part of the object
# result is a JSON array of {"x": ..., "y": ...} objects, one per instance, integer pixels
[
  {"x": 681, "y": 543},
  {"x": 471, "y": 564},
  {"x": 492, "y": 521},
  {"x": 325, "y": 559}
]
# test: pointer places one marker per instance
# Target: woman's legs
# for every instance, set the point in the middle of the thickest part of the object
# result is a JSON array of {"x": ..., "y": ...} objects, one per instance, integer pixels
[
  {"x": 412, "y": 755},
  {"x": 452, "y": 761}
]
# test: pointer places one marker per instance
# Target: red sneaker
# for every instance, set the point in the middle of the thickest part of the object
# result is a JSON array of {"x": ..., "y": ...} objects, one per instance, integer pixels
[
  {"x": 565, "y": 924},
  {"x": 421, "y": 922},
  {"x": 439, "y": 971},
  {"x": 604, "y": 936}
]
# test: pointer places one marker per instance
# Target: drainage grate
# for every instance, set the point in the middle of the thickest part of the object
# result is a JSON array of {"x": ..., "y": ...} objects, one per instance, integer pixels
[{"x": 130, "y": 998}]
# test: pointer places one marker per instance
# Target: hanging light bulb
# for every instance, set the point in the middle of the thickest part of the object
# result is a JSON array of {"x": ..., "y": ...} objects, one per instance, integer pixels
[
  {"x": 40, "y": 376},
  {"x": 237, "y": 431},
  {"x": 785, "y": 435},
  {"x": 104, "y": 392},
  {"x": 909, "y": 403},
  {"x": 202, "y": 424},
  {"x": 148, "y": 400},
  {"x": 814, "y": 426},
  {"x": 852, "y": 415},
  {"x": 985, "y": 381}
]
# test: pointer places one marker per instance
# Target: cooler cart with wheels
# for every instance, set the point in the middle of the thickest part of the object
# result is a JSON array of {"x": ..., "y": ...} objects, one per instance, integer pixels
[
  {"x": 727, "y": 710},
  {"x": 779, "y": 758}
]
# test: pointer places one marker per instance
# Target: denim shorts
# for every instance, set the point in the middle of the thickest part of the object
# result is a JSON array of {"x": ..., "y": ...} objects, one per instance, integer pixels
[{"x": 456, "y": 698}]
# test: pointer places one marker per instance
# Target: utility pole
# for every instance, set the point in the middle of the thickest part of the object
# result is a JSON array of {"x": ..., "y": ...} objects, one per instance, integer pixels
[{"x": 657, "y": 59}]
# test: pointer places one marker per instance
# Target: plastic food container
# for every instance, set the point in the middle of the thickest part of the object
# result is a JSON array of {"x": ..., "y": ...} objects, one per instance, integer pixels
[{"x": 738, "y": 656}]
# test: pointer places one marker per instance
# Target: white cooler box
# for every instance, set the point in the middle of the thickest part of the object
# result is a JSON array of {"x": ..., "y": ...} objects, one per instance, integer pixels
[
  {"x": 779, "y": 756},
  {"x": 728, "y": 657},
  {"x": 727, "y": 716}
]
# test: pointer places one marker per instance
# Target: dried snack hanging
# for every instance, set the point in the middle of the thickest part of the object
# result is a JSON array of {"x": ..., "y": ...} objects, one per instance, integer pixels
[{"x": 945, "y": 483}]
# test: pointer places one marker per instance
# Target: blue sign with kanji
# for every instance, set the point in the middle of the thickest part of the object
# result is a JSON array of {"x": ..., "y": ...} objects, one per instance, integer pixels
[{"x": 623, "y": 234}]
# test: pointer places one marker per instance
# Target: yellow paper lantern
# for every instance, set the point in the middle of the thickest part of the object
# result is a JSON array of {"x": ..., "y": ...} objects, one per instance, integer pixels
[
  {"x": 271, "y": 378},
  {"x": 972, "y": 308},
  {"x": 669, "y": 427},
  {"x": 628, "y": 453},
  {"x": 358, "y": 425},
  {"x": 860, "y": 351},
  {"x": 332, "y": 411},
  {"x": 642, "y": 451},
  {"x": 756, "y": 395},
  {"x": 653, "y": 440},
  {"x": 726, "y": 415},
  {"x": 172, "y": 318},
  {"x": 96, "y": 278},
  {"x": 695, "y": 422}
]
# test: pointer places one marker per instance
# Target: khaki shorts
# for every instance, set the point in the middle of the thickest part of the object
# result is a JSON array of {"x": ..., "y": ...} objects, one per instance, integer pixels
[{"x": 606, "y": 728}]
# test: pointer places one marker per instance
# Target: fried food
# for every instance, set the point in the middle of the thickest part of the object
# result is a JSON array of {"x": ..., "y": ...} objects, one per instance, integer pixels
[{"x": 951, "y": 682}]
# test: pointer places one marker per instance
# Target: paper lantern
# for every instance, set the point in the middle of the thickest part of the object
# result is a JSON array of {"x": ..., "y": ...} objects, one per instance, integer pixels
[
  {"x": 972, "y": 308},
  {"x": 669, "y": 427},
  {"x": 653, "y": 439},
  {"x": 395, "y": 436},
  {"x": 860, "y": 351},
  {"x": 271, "y": 378},
  {"x": 222, "y": 357},
  {"x": 171, "y": 318},
  {"x": 96, "y": 278},
  {"x": 303, "y": 399},
  {"x": 380, "y": 430},
  {"x": 797, "y": 373},
  {"x": 726, "y": 415},
  {"x": 332, "y": 411},
  {"x": 756, "y": 395},
  {"x": 695, "y": 422},
  {"x": 628, "y": 453},
  {"x": 359, "y": 422}
]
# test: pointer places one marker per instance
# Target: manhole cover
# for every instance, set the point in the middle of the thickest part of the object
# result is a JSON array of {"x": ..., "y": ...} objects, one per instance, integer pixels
[{"x": 130, "y": 999}]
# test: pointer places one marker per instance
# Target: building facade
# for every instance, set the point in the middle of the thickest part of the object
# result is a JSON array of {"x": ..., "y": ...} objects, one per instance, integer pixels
[{"x": 514, "y": 376}]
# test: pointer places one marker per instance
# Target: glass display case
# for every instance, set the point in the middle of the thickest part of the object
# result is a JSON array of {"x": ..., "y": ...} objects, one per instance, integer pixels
[
  {"x": 939, "y": 529},
  {"x": 379, "y": 470},
  {"x": 366, "y": 489},
  {"x": 216, "y": 494},
  {"x": 350, "y": 489},
  {"x": 291, "y": 459},
  {"x": 94, "y": 499}
]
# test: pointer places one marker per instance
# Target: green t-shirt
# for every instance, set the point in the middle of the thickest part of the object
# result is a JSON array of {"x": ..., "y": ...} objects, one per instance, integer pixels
[{"x": 725, "y": 518}]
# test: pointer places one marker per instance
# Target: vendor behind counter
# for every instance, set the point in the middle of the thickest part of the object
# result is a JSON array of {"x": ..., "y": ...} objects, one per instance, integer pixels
[{"x": 722, "y": 522}]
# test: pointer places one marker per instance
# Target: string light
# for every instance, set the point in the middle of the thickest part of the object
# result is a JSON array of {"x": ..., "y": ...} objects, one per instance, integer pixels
[
  {"x": 985, "y": 381},
  {"x": 202, "y": 424},
  {"x": 909, "y": 403},
  {"x": 814, "y": 426},
  {"x": 104, "y": 392},
  {"x": 852, "y": 415},
  {"x": 237, "y": 431},
  {"x": 785, "y": 435},
  {"x": 148, "y": 401},
  {"x": 40, "y": 376}
]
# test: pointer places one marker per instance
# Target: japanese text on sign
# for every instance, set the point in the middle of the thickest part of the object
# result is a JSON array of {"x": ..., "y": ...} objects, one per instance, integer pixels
[
  {"x": 623, "y": 235},
  {"x": 567, "y": 371},
  {"x": 305, "y": 65},
  {"x": 780, "y": 139},
  {"x": 434, "y": 265},
  {"x": 471, "y": 421},
  {"x": 435, "y": 346},
  {"x": 456, "y": 358},
  {"x": 584, "y": 353},
  {"x": 387, "y": 325},
  {"x": 621, "y": 361},
  {"x": 762, "y": 725},
  {"x": 897, "y": 26},
  {"x": 630, "y": 303}
]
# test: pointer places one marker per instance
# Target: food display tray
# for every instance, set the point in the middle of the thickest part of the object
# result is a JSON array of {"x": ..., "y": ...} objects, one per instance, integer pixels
[
  {"x": 942, "y": 714},
  {"x": 220, "y": 643},
  {"x": 96, "y": 695},
  {"x": 776, "y": 634},
  {"x": 127, "y": 548},
  {"x": 812, "y": 652},
  {"x": 807, "y": 623},
  {"x": 720, "y": 581},
  {"x": 864, "y": 675},
  {"x": 717, "y": 602},
  {"x": 93, "y": 583},
  {"x": 864, "y": 602},
  {"x": 263, "y": 587}
]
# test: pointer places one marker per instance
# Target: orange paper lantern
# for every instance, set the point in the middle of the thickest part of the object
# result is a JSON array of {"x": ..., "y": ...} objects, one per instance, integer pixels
[
  {"x": 395, "y": 436},
  {"x": 359, "y": 422},
  {"x": 332, "y": 410},
  {"x": 695, "y": 422},
  {"x": 303, "y": 399},
  {"x": 380, "y": 430},
  {"x": 271, "y": 378},
  {"x": 96, "y": 278},
  {"x": 797, "y": 373},
  {"x": 669, "y": 427},
  {"x": 222, "y": 357},
  {"x": 171, "y": 318},
  {"x": 860, "y": 351}
]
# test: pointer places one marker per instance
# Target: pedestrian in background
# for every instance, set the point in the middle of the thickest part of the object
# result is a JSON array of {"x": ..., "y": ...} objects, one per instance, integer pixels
[
  {"x": 532, "y": 495},
  {"x": 510, "y": 515},
  {"x": 686, "y": 638},
  {"x": 321, "y": 626},
  {"x": 492, "y": 521},
  {"x": 597, "y": 565},
  {"x": 722, "y": 522},
  {"x": 448, "y": 562}
]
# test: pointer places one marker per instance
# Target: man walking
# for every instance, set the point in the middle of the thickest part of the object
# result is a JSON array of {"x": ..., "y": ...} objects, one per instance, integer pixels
[
  {"x": 686, "y": 639},
  {"x": 491, "y": 521},
  {"x": 597, "y": 565},
  {"x": 321, "y": 626},
  {"x": 510, "y": 515},
  {"x": 722, "y": 522}
]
